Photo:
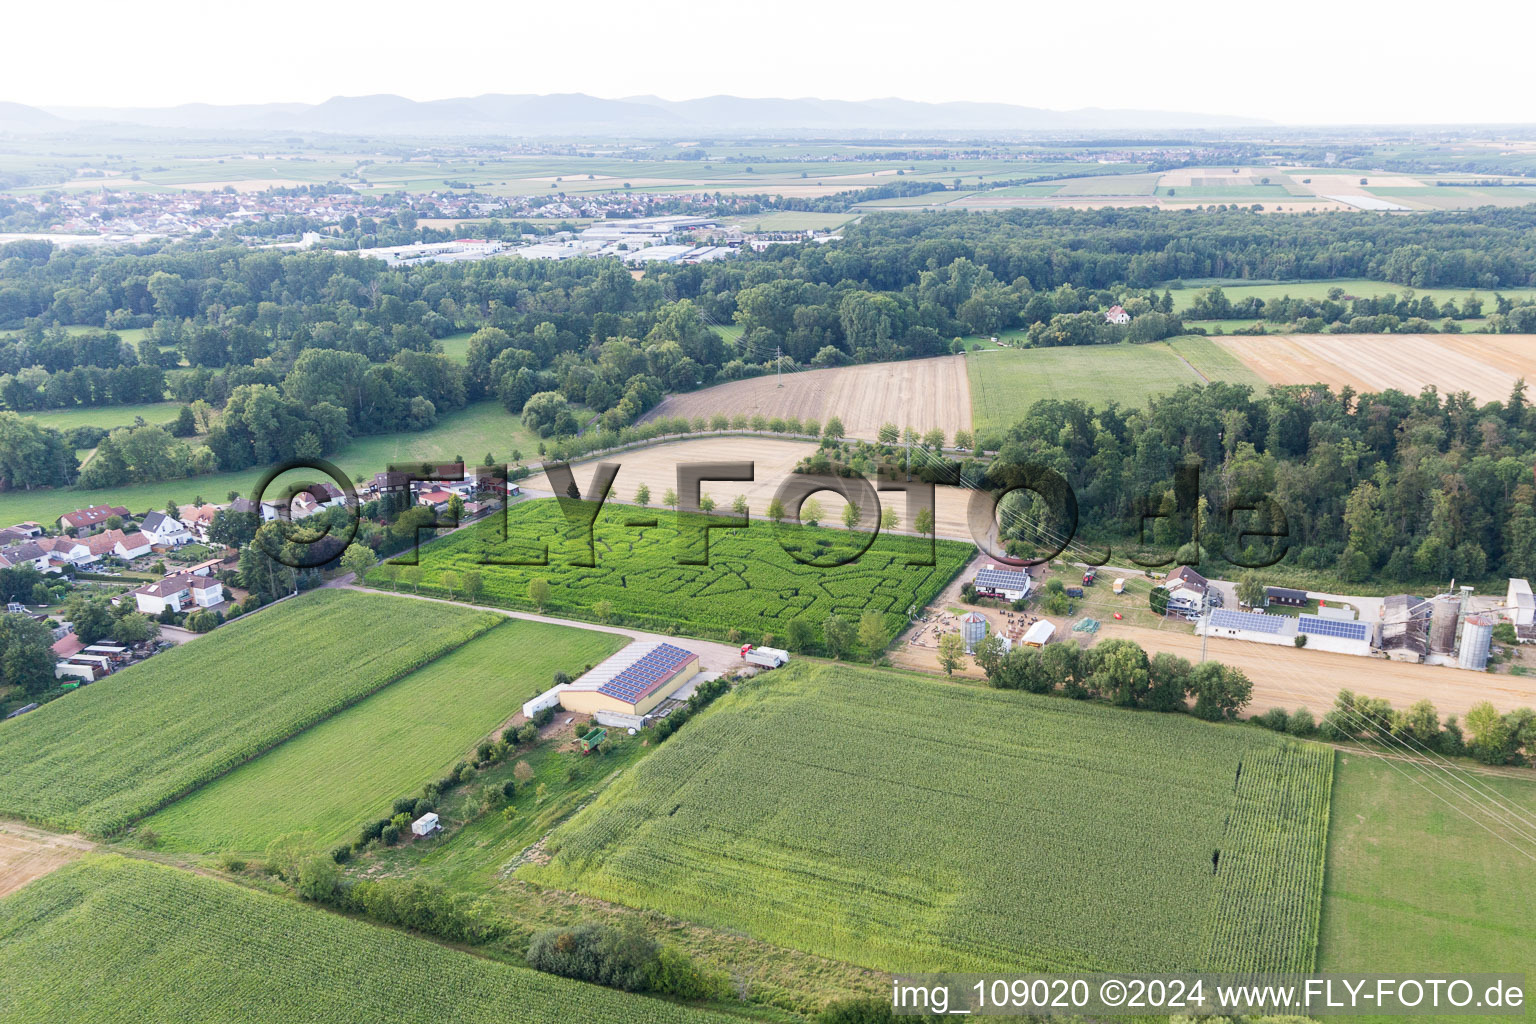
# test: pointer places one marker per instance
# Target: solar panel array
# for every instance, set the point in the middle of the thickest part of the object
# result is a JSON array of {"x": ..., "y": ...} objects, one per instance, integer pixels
[
  {"x": 1255, "y": 622},
  {"x": 1002, "y": 579},
  {"x": 633, "y": 683},
  {"x": 1332, "y": 627}
]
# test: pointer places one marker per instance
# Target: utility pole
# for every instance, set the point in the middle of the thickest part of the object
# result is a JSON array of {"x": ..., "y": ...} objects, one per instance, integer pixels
[{"x": 778, "y": 356}]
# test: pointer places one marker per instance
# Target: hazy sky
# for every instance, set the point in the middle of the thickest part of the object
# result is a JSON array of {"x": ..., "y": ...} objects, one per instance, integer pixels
[{"x": 1312, "y": 61}]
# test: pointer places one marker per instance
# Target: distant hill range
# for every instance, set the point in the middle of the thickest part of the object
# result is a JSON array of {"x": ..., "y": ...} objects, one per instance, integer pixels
[{"x": 576, "y": 114}]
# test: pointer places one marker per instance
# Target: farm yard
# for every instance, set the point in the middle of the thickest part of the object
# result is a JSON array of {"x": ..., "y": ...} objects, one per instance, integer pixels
[
  {"x": 928, "y": 394},
  {"x": 1006, "y": 382},
  {"x": 751, "y": 583},
  {"x": 1414, "y": 886},
  {"x": 348, "y": 768},
  {"x": 1486, "y": 365},
  {"x": 126, "y": 746},
  {"x": 168, "y": 945},
  {"x": 833, "y": 809}
]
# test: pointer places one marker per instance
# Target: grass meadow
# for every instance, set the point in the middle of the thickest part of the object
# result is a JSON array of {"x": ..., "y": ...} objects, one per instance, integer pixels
[
  {"x": 333, "y": 777},
  {"x": 1415, "y": 886},
  {"x": 903, "y": 823},
  {"x": 1006, "y": 382}
]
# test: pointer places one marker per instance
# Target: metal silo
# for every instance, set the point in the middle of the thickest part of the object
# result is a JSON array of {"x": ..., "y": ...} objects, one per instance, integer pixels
[
  {"x": 1442, "y": 624},
  {"x": 1476, "y": 635},
  {"x": 973, "y": 628}
]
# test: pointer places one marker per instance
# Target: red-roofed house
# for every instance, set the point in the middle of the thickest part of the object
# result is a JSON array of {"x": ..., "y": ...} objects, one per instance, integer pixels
[
  {"x": 88, "y": 520},
  {"x": 178, "y": 593},
  {"x": 1116, "y": 315}
]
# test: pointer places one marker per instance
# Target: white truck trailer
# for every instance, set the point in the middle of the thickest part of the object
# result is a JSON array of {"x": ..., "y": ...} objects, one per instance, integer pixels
[{"x": 764, "y": 657}]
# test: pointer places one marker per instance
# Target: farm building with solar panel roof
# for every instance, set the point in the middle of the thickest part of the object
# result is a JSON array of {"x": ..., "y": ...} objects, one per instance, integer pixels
[
  {"x": 631, "y": 682},
  {"x": 1342, "y": 636},
  {"x": 1008, "y": 584}
]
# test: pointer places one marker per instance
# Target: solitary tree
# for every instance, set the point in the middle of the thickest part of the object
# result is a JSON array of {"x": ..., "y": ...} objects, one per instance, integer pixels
[
  {"x": 357, "y": 559},
  {"x": 603, "y": 610},
  {"x": 1250, "y": 590},
  {"x": 924, "y": 521},
  {"x": 706, "y": 503},
  {"x": 411, "y": 574},
  {"x": 889, "y": 520},
  {"x": 775, "y": 510},
  {"x": 642, "y": 495},
  {"x": 669, "y": 498},
  {"x": 811, "y": 512},
  {"x": 473, "y": 584},
  {"x": 872, "y": 634},
  {"x": 851, "y": 513},
  {"x": 739, "y": 505},
  {"x": 833, "y": 430},
  {"x": 450, "y": 581},
  {"x": 538, "y": 593},
  {"x": 951, "y": 652}
]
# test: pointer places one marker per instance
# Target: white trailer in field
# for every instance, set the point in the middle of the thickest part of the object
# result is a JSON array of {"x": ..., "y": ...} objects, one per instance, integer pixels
[{"x": 764, "y": 657}]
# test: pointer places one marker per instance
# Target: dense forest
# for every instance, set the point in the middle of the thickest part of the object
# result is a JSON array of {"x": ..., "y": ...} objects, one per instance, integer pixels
[
  {"x": 1369, "y": 487},
  {"x": 303, "y": 351}
]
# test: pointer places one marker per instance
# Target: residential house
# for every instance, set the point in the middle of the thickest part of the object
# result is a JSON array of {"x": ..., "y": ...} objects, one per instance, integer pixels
[
  {"x": 179, "y": 593},
  {"x": 67, "y": 552},
  {"x": 207, "y": 568},
  {"x": 199, "y": 520},
  {"x": 27, "y": 551},
  {"x": 1116, "y": 315},
  {"x": 314, "y": 498},
  {"x": 162, "y": 529},
  {"x": 1189, "y": 592},
  {"x": 126, "y": 546},
  {"x": 89, "y": 520}
]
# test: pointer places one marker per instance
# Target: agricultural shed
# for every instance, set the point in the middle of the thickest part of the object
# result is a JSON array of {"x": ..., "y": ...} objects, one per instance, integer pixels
[
  {"x": 1520, "y": 606},
  {"x": 633, "y": 681},
  {"x": 1285, "y": 595},
  {"x": 1341, "y": 636},
  {"x": 1256, "y": 626}
]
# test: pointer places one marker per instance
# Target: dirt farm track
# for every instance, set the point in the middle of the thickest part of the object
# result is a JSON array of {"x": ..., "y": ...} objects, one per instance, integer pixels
[
  {"x": 923, "y": 393},
  {"x": 26, "y": 853},
  {"x": 1486, "y": 365}
]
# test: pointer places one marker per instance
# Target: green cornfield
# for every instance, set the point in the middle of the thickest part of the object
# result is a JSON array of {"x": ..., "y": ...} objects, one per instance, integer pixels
[
  {"x": 132, "y": 742},
  {"x": 909, "y": 825},
  {"x": 1269, "y": 876},
  {"x": 347, "y": 770},
  {"x": 108, "y": 940},
  {"x": 750, "y": 584}
]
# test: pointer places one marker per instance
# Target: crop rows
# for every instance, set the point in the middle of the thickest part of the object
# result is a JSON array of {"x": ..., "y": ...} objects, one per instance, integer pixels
[
  {"x": 750, "y": 584},
  {"x": 1270, "y": 870},
  {"x": 903, "y": 824},
  {"x": 125, "y": 746},
  {"x": 109, "y": 940},
  {"x": 349, "y": 768}
]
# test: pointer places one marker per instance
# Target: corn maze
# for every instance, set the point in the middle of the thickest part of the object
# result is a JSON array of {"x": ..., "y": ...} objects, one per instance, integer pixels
[
  {"x": 751, "y": 584},
  {"x": 904, "y": 824},
  {"x": 109, "y": 940}
]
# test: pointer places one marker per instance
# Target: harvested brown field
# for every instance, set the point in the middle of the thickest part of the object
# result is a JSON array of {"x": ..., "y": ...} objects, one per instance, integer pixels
[
  {"x": 1486, "y": 365},
  {"x": 773, "y": 461},
  {"x": 923, "y": 393},
  {"x": 27, "y": 853}
]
